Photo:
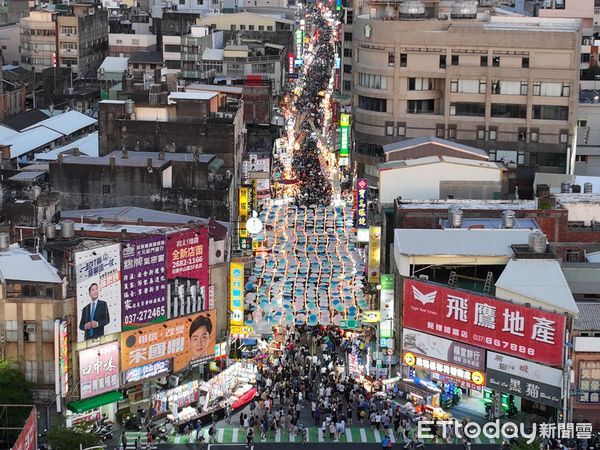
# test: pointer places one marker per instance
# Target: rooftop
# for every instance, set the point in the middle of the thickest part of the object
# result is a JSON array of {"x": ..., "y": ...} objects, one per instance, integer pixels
[
  {"x": 458, "y": 242},
  {"x": 146, "y": 57},
  {"x": 392, "y": 165},
  {"x": 116, "y": 64},
  {"x": 540, "y": 280},
  {"x": 555, "y": 179},
  {"x": 512, "y": 205},
  {"x": 213, "y": 54},
  {"x": 589, "y": 317},
  {"x": 28, "y": 176},
  {"x": 25, "y": 119},
  {"x": 138, "y": 159},
  {"x": 13, "y": 260},
  {"x": 408, "y": 144},
  {"x": 494, "y": 223},
  {"x": 196, "y": 95},
  {"x": 578, "y": 198},
  {"x": 194, "y": 87},
  {"x": 583, "y": 278},
  {"x": 87, "y": 145},
  {"x": 66, "y": 123},
  {"x": 30, "y": 140}
]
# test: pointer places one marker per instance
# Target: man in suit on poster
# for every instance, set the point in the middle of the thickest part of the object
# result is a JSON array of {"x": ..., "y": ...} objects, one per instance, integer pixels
[{"x": 94, "y": 315}]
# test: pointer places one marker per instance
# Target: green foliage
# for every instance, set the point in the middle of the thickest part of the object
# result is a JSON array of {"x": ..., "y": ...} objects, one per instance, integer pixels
[
  {"x": 14, "y": 390},
  {"x": 62, "y": 438}
]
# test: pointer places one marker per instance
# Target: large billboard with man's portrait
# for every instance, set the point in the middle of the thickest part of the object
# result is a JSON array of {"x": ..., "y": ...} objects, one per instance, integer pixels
[{"x": 98, "y": 278}]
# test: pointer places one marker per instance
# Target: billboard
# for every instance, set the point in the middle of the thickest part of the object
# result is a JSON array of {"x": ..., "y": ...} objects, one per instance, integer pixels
[
  {"x": 98, "y": 278},
  {"x": 362, "y": 201},
  {"x": 484, "y": 321},
  {"x": 187, "y": 258},
  {"x": 236, "y": 293},
  {"x": 27, "y": 439},
  {"x": 99, "y": 369},
  {"x": 144, "y": 286},
  {"x": 243, "y": 209},
  {"x": 524, "y": 369},
  {"x": 527, "y": 388},
  {"x": 374, "y": 253},
  {"x": 188, "y": 340},
  {"x": 443, "y": 349},
  {"x": 63, "y": 356},
  {"x": 388, "y": 284},
  {"x": 344, "y": 138},
  {"x": 299, "y": 41},
  {"x": 152, "y": 370},
  {"x": 474, "y": 378}
]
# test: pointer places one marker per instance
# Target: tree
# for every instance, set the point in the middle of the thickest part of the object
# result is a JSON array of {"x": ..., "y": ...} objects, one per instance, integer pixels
[
  {"x": 14, "y": 390},
  {"x": 62, "y": 438}
]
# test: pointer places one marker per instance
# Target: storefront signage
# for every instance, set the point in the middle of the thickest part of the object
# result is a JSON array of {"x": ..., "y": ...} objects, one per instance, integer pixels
[
  {"x": 388, "y": 286},
  {"x": 243, "y": 211},
  {"x": 474, "y": 376},
  {"x": 64, "y": 357},
  {"x": 187, "y": 340},
  {"x": 144, "y": 281},
  {"x": 291, "y": 58},
  {"x": 587, "y": 344},
  {"x": 374, "y": 254},
  {"x": 371, "y": 316},
  {"x": 524, "y": 369},
  {"x": 236, "y": 293},
  {"x": 362, "y": 202},
  {"x": 98, "y": 277},
  {"x": 526, "y": 388},
  {"x": 221, "y": 350},
  {"x": 484, "y": 321},
  {"x": 152, "y": 370},
  {"x": 443, "y": 349},
  {"x": 349, "y": 324},
  {"x": 299, "y": 39},
  {"x": 99, "y": 369},
  {"x": 27, "y": 439},
  {"x": 344, "y": 138},
  {"x": 336, "y": 79},
  {"x": 173, "y": 400}
]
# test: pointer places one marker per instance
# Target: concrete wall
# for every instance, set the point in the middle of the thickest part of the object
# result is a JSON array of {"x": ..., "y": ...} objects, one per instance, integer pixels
[{"x": 9, "y": 40}]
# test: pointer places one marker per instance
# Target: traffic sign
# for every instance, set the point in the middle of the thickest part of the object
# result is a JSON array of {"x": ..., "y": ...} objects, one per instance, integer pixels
[{"x": 346, "y": 324}]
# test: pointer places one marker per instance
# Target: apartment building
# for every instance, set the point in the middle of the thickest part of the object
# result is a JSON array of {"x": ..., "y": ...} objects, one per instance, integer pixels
[
  {"x": 79, "y": 30},
  {"x": 508, "y": 85}
]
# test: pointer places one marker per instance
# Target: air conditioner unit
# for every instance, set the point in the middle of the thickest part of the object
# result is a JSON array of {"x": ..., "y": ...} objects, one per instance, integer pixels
[
  {"x": 424, "y": 277},
  {"x": 215, "y": 11},
  {"x": 219, "y": 114},
  {"x": 228, "y": 115},
  {"x": 30, "y": 328}
]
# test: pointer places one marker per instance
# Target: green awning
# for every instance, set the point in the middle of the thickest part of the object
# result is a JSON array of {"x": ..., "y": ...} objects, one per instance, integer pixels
[
  {"x": 88, "y": 404},
  {"x": 215, "y": 165}
]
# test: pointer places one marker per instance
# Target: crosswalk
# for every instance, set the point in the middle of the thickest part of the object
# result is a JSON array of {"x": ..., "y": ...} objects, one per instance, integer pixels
[{"x": 315, "y": 434}]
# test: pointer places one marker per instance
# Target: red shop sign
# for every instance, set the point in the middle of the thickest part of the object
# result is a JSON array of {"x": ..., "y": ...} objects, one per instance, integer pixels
[{"x": 484, "y": 321}]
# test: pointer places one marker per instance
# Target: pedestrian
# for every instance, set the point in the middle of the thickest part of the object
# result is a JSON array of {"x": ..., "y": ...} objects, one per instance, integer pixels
[
  {"x": 138, "y": 444},
  {"x": 212, "y": 434},
  {"x": 228, "y": 411},
  {"x": 250, "y": 438},
  {"x": 124, "y": 440},
  {"x": 332, "y": 431}
]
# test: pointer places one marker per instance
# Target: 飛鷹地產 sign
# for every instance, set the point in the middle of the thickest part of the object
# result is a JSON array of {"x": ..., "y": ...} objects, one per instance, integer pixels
[
  {"x": 187, "y": 340},
  {"x": 485, "y": 322}
]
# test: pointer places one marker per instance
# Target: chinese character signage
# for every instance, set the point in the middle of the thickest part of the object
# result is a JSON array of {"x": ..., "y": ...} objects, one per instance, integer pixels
[
  {"x": 374, "y": 253},
  {"x": 63, "y": 358},
  {"x": 388, "y": 283},
  {"x": 524, "y": 369},
  {"x": 27, "y": 439},
  {"x": 152, "y": 370},
  {"x": 236, "y": 293},
  {"x": 527, "y": 388},
  {"x": 187, "y": 340},
  {"x": 291, "y": 58},
  {"x": 362, "y": 201},
  {"x": 99, "y": 369},
  {"x": 344, "y": 138},
  {"x": 98, "y": 278},
  {"x": 144, "y": 281},
  {"x": 443, "y": 349},
  {"x": 243, "y": 209},
  {"x": 299, "y": 38},
  {"x": 484, "y": 321},
  {"x": 475, "y": 377},
  {"x": 187, "y": 257}
]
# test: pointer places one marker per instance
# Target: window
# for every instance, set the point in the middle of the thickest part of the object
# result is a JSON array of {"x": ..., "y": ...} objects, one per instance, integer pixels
[
  {"x": 442, "y": 61},
  {"x": 454, "y": 60},
  {"x": 496, "y": 61},
  {"x": 242, "y": 27},
  {"x": 522, "y": 134},
  {"x": 582, "y": 123},
  {"x": 548, "y": 159},
  {"x": 534, "y": 135},
  {"x": 261, "y": 28},
  {"x": 348, "y": 37},
  {"x": 440, "y": 131},
  {"x": 421, "y": 84},
  {"x": 347, "y": 85},
  {"x": 389, "y": 128},
  {"x": 31, "y": 371},
  {"x": 29, "y": 330},
  {"x": 401, "y": 127},
  {"x": 48, "y": 330},
  {"x": 572, "y": 256},
  {"x": 269, "y": 27},
  {"x": 251, "y": 27},
  {"x": 347, "y": 68},
  {"x": 232, "y": 27},
  {"x": 589, "y": 374},
  {"x": 468, "y": 86},
  {"x": 451, "y": 131},
  {"x": 481, "y": 133},
  {"x": 349, "y": 17},
  {"x": 403, "y": 59},
  {"x": 348, "y": 52},
  {"x": 172, "y": 48},
  {"x": 106, "y": 188},
  {"x": 581, "y": 158},
  {"x": 483, "y": 61},
  {"x": 563, "y": 136},
  {"x": 49, "y": 372},
  {"x": 585, "y": 57},
  {"x": 391, "y": 59},
  {"x": 372, "y": 104},
  {"x": 11, "y": 327},
  {"x": 372, "y": 81},
  {"x": 509, "y": 111},
  {"x": 525, "y": 62},
  {"x": 420, "y": 106},
  {"x": 550, "y": 112},
  {"x": 566, "y": 90},
  {"x": 500, "y": 87},
  {"x": 493, "y": 133},
  {"x": 467, "y": 109},
  {"x": 545, "y": 89}
]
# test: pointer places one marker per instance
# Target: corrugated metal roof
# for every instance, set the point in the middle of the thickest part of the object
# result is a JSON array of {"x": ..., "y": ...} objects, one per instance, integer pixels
[
  {"x": 422, "y": 140},
  {"x": 30, "y": 140},
  {"x": 583, "y": 278},
  {"x": 87, "y": 145},
  {"x": 213, "y": 54},
  {"x": 27, "y": 176},
  {"x": 541, "y": 280},
  {"x": 458, "y": 242},
  {"x": 14, "y": 261},
  {"x": 589, "y": 317},
  {"x": 117, "y": 64},
  {"x": 66, "y": 123}
]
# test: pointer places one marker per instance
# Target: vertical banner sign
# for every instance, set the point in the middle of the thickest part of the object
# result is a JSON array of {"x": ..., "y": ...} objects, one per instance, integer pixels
[
  {"x": 99, "y": 369},
  {"x": 27, "y": 439},
  {"x": 299, "y": 45},
  {"x": 336, "y": 80},
  {"x": 344, "y": 139},
  {"x": 236, "y": 294},
  {"x": 144, "y": 281},
  {"x": 374, "y": 254},
  {"x": 98, "y": 277},
  {"x": 387, "y": 306},
  {"x": 291, "y": 58},
  {"x": 63, "y": 345},
  {"x": 362, "y": 199},
  {"x": 252, "y": 198},
  {"x": 243, "y": 212}
]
